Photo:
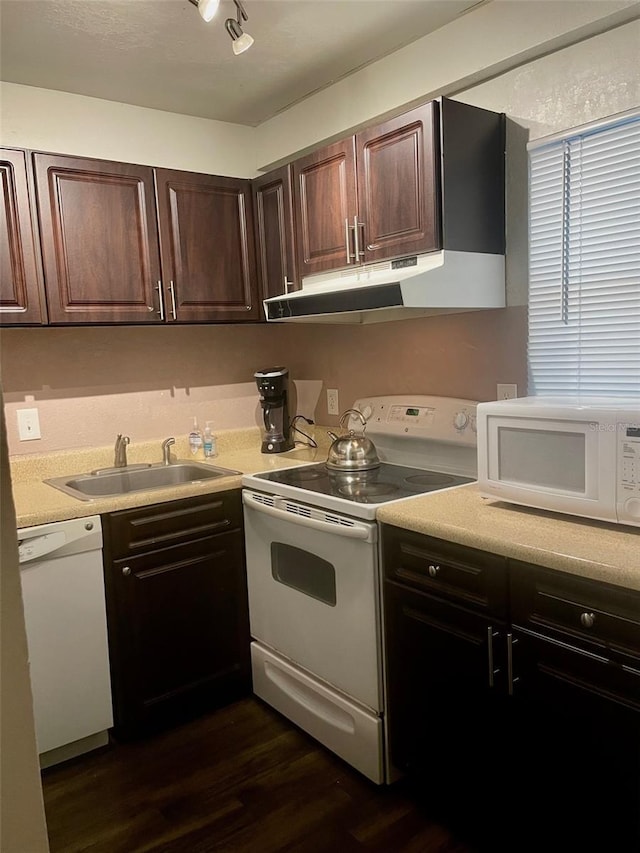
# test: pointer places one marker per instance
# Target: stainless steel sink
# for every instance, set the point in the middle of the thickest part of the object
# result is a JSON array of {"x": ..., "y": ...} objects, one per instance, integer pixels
[{"x": 122, "y": 481}]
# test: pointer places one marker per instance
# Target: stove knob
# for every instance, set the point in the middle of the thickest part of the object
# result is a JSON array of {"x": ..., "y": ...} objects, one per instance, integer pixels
[
  {"x": 367, "y": 411},
  {"x": 460, "y": 420}
]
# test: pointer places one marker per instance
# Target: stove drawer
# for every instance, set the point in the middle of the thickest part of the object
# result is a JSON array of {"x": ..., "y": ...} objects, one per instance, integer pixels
[
  {"x": 342, "y": 726},
  {"x": 465, "y": 576}
]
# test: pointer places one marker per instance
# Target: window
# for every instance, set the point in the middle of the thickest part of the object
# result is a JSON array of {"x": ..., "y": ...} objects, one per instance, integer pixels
[{"x": 584, "y": 261}]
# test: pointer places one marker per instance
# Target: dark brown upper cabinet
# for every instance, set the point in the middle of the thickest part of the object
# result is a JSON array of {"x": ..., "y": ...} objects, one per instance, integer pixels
[
  {"x": 21, "y": 294},
  {"x": 206, "y": 247},
  {"x": 274, "y": 231},
  {"x": 324, "y": 194},
  {"x": 429, "y": 179},
  {"x": 369, "y": 197},
  {"x": 99, "y": 240},
  {"x": 124, "y": 243}
]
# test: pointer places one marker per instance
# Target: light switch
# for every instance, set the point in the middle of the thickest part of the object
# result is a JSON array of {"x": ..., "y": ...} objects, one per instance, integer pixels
[{"x": 28, "y": 424}]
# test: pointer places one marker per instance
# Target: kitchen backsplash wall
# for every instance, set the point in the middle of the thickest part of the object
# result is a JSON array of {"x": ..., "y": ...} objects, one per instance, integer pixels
[{"x": 89, "y": 384}]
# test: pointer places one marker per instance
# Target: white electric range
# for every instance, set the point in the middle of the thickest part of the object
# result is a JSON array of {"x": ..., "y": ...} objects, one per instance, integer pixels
[{"x": 313, "y": 570}]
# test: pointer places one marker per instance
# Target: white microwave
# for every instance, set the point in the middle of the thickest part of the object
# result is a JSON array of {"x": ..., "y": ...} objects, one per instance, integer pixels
[{"x": 565, "y": 454}]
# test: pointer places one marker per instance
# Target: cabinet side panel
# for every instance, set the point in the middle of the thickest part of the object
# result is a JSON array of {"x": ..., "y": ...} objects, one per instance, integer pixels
[{"x": 473, "y": 178}]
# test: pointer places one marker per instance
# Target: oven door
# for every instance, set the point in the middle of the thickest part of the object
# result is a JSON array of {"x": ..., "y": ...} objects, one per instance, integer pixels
[{"x": 313, "y": 591}]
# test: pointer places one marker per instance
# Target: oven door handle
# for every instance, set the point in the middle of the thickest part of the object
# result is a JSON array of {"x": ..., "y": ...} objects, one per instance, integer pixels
[{"x": 354, "y": 530}]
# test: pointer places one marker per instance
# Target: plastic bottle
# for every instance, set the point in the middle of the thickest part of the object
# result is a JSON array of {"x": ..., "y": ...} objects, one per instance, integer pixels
[
  {"x": 195, "y": 438},
  {"x": 209, "y": 441}
]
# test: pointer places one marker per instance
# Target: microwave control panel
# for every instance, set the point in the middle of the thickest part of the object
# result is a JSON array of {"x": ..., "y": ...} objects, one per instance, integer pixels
[{"x": 629, "y": 473}]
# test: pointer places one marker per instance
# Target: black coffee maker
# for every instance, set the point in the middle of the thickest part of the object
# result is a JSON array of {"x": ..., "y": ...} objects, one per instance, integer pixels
[{"x": 275, "y": 400}]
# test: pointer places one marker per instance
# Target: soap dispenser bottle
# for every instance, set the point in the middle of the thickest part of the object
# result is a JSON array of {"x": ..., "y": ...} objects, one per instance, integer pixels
[
  {"x": 195, "y": 438},
  {"x": 209, "y": 441}
]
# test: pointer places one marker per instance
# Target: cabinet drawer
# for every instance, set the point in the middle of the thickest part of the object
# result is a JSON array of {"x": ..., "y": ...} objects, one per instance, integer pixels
[
  {"x": 465, "y": 576},
  {"x": 576, "y": 682},
  {"x": 137, "y": 531},
  {"x": 600, "y": 617}
]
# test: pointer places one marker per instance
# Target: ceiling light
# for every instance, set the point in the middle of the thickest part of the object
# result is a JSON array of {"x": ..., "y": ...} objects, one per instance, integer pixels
[
  {"x": 241, "y": 41},
  {"x": 207, "y": 8}
]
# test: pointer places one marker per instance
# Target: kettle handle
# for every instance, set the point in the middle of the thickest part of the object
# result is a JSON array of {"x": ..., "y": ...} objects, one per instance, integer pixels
[{"x": 356, "y": 412}]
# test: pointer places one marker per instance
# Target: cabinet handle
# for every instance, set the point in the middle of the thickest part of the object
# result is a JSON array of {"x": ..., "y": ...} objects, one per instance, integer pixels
[
  {"x": 587, "y": 620},
  {"x": 287, "y": 284},
  {"x": 172, "y": 293},
  {"x": 433, "y": 571},
  {"x": 126, "y": 571},
  {"x": 490, "y": 635},
  {"x": 347, "y": 241},
  {"x": 356, "y": 225},
  {"x": 160, "y": 300},
  {"x": 510, "y": 679}
]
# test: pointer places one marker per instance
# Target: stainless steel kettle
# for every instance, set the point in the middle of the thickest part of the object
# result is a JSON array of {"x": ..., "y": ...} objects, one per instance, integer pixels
[{"x": 352, "y": 452}]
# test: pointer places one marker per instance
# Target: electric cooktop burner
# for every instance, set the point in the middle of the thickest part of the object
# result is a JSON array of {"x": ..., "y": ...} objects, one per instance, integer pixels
[{"x": 385, "y": 483}]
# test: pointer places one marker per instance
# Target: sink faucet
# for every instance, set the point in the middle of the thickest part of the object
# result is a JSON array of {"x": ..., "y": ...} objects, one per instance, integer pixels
[
  {"x": 120, "y": 458},
  {"x": 166, "y": 450}
]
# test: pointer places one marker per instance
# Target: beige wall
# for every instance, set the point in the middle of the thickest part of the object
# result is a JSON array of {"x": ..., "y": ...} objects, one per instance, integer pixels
[
  {"x": 89, "y": 384},
  {"x": 22, "y": 823},
  {"x": 61, "y": 122}
]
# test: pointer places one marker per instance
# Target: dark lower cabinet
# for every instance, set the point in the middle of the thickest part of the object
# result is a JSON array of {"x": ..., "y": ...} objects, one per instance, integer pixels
[
  {"x": 177, "y": 611},
  {"x": 576, "y": 708},
  {"x": 514, "y": 711},
  {"x": 445, "y": 639}
]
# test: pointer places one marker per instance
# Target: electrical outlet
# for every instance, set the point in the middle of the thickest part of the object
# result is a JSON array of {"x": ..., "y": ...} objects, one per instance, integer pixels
[
  {"x": 28, "y": 424},
  {"x": 506, "y": 392},
  {"x": 333, "y": 407}
]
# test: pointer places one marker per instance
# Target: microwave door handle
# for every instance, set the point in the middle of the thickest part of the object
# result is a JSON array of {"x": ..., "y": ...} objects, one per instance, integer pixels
[{"x": 364, "y": 532}]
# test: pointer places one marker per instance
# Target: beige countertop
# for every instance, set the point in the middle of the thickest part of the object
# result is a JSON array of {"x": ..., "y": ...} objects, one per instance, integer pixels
[
  {"x": 37, "y": 502},
  {"x": 604, "y": 552}
]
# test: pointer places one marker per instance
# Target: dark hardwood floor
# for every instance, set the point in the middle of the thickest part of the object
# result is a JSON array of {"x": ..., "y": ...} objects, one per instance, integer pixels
[{"x": 239, "y": 779}]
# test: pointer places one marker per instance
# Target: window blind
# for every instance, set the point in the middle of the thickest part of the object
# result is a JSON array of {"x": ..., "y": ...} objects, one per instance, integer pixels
[{"x": 584, "y": 262}]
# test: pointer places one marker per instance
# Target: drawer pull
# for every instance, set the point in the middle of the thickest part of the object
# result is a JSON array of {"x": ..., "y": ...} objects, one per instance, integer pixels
[
  {"x": 126, "y": 571},
  {"x": 587, "y": 620},
  {"x": 433, "y": 570},
  {"x": 493, "y": 671},
  {"x": 511, "y": 680}
]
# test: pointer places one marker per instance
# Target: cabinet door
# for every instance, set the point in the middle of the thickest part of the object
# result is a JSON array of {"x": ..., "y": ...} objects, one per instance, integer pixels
[
  {"x": 207, "y": 247},
  {"x": 21, "y": 296},
  {"x": 273, "y": 214},
  {"x": 99, "y": 240},
  {"x": 577, "y": 727},
  {"x": 324, "y": 194},
  {"x": 398, "y": 191},
  {"x": 444, "y": 664},
  {"x": 179, "y": 633}
]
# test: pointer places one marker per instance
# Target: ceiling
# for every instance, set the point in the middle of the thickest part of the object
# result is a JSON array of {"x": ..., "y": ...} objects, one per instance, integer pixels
[{"x": 161, "y": 54}]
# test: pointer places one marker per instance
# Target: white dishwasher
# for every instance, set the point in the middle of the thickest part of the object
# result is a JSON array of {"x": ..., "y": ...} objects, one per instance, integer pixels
[{"x": 65, "y": 617}]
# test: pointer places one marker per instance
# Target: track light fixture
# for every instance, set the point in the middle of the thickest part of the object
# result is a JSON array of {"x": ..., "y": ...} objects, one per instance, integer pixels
[
  {"x": 207, "y": 8},
  {"x": 241, "y": 41}
]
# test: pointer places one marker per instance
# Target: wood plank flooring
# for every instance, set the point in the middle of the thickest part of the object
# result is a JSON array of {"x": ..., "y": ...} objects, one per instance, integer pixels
[{"x": 239, "y": 780}]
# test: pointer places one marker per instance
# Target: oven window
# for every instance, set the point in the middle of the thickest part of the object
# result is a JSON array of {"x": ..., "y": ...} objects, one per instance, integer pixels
[
  {"x": 304, "y": 571},
  {"x": 551, "y": 458}
]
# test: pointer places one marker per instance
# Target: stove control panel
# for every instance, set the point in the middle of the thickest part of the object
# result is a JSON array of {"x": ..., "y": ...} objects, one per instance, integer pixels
[{"x": 448, "y": 419}]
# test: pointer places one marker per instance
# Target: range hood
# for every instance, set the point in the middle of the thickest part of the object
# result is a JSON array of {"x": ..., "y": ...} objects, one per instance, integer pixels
[{"x": 443, "y": 282}]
